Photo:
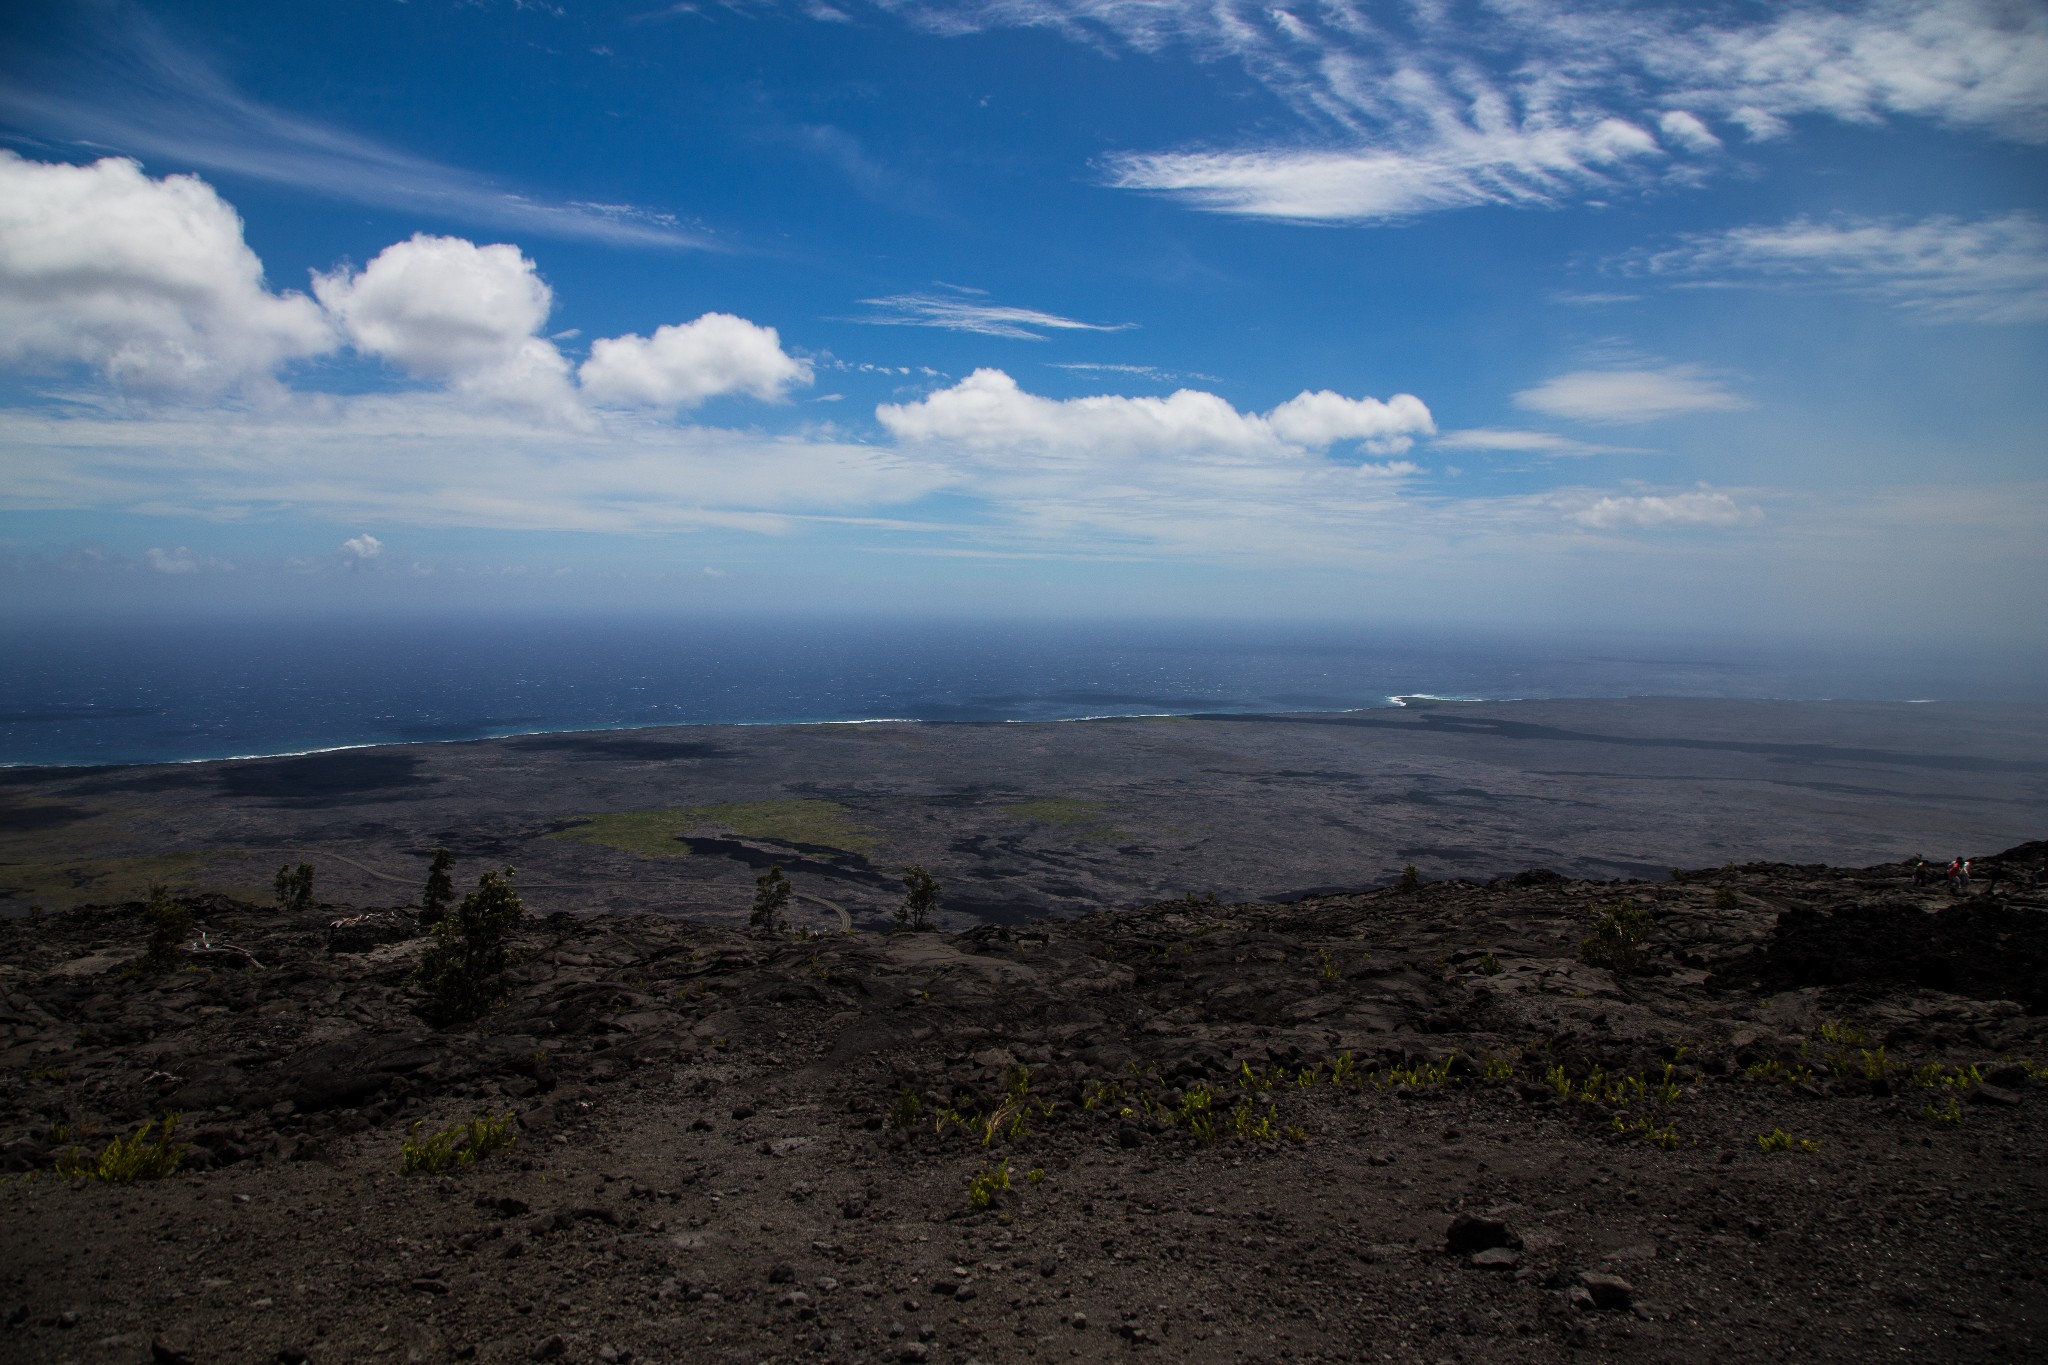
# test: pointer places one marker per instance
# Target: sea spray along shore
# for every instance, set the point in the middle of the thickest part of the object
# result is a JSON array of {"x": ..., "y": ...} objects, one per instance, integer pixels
[{"x": 1739, "y": 1113}]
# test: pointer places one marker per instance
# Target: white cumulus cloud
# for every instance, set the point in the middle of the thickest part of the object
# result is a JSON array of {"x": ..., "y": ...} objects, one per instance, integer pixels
[
  {"x": 682, "y": 365},
  {"x": 445, "y": 308},
  {"x": 147, "y": 281},
  {"x": 987, "y": 413},
  {"x": 178, "y": 561},
  {"x": 1324, "y": 418},
  {"x": 359, "y": 548},
  {"x": 1630, "y": 395}
]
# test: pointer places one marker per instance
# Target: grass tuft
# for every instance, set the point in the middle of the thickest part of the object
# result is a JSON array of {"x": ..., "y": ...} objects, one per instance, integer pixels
[
  {"x": 139, "y": 1156},
  {"x": 463, "y": 1145}
]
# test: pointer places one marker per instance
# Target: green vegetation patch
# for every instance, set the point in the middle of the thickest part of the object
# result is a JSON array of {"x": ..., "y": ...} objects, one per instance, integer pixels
[
  {"x": 649, "y": 833},
  {"x": 660, "y": 833},
  {"x": 98, "y": 881},
  {"x": 825, "y": 823},
  {"x": 1058, "y": 810}
]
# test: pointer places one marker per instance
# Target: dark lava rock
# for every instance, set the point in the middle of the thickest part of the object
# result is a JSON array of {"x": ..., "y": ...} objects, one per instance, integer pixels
[
  {"x": 782, "y": 1273},
  {"x": 1979, "y": 948},
  {"x": 1609, "y": 1292},
  {"x": 1469, "y": 1233}
]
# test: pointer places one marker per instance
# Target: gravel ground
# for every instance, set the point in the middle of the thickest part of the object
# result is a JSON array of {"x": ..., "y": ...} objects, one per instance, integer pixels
[{"x": 1438, "y": 1134}]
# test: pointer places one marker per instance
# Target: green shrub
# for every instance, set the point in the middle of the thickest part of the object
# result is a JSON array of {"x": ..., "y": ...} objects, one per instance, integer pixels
[
  {"x": 920, "y": 899},
  {"x": 463, "y": 1145},
  {"x": 772, "y": 893},
  {"x": 1725, "y": 898},
  {"x": 1618, "y": 938},
  {"x": 462, "y": 969},
  {"x": 169, "y": 922},
  {"x": 139, "y": 1156},
  {"x": 439, "y": 892},
  {"x": 294, "y": 887},
  {"x": 1411, "y": 880}
]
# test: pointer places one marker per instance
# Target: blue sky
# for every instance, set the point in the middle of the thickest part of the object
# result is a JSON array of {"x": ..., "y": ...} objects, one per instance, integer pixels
[{"x": 1722, "y": 316}]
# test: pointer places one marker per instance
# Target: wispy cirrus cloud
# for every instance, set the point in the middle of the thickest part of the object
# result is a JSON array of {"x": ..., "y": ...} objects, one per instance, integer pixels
[
  {"x": 1153, "y": 372},
  {"x": 140, "y": 92},
  {"x": 1500, "y": 440},
  {"x": 1940, "y": 269},
  {"x": 1426, "y": 107},
  {"x": 1626, "y": 396},
  {"x": 968, "y": 310}
]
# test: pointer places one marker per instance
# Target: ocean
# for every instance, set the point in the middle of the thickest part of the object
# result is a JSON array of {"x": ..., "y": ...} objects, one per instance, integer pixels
[{"x": 155, "y": 690}]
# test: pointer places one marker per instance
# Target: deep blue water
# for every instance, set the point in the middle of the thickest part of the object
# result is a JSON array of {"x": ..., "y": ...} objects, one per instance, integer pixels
[{"x": 160, "y": 691}]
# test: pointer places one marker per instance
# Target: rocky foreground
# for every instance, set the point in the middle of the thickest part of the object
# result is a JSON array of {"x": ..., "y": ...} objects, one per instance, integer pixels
[{"x": 1805, "y": 1122}]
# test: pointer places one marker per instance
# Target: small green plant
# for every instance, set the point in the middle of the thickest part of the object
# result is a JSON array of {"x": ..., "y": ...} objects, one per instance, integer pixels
[
  {"x": 920, "y": 899},
  {"x": 463, "y": 1145},
  {"x": 907, "y": 1109},
  {"x": 1647, "y": 1128},
  {"x": 1494, "y": 1068},
  {"x": 1619, "y": 934},
  {"x": 1197, "y": 1111},
  {"x": 294, "y": 887},
  {"x": 1840, "y": 1034},
  {"x": 1246, "y": 1122},
  {"x": 987, "y": 1183},
  {"x": 1328, "y": 971},
  {"x": 1419, "y": 1074},
  {"x": 1778, "y": 1140},
  {"x": 1948, "y": 1113},
  {"x": 1295, "y": 1133},
  {"x": 439, "y": 892},
  {"x": 169, "y": 922},
  {"x": 1725, "y": 898},
  {"x": 1036, "y": 1175},
  {"x": 462, "y": 969},
  {"x": 772, "y": 893},
  {"x": 1411, "y": 880},
  {"x": 1488, "y": 965},
  {"x": 1248, "y": 1079},
  {"x": 1343, "y": 1070},
  {"x": 139, "y": 1156},
  {"x": 1010, "y": 1119}
]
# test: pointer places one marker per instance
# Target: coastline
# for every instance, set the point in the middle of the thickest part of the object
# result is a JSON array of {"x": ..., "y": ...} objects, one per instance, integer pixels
[{"x": 1019, "y": 820}]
